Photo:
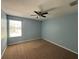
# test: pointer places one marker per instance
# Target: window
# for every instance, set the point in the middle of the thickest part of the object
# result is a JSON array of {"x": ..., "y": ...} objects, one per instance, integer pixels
[{"x": 15, "y": 28}]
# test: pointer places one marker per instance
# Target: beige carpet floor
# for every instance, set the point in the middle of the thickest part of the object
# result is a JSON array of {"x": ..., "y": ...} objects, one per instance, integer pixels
[{"x": 37, "y": 49}]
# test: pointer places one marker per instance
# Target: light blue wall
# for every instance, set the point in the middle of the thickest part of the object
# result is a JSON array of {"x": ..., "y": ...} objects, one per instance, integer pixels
[
  {"x": 30, "y": 29},
  {"x": 62, "y": 30},
  {"x": 3, "y": 31}
]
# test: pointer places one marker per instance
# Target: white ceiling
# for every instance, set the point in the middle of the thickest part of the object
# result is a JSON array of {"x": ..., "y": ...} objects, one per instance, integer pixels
[{"x": 25, "y": 8}]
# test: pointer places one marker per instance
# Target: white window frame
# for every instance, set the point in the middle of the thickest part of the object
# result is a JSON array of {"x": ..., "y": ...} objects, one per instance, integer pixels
[{"x": 17, "y": 28}]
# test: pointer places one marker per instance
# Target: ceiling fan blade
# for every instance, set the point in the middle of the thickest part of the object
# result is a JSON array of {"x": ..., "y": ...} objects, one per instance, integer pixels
[
  {"x": 74, "y": 3},
  {"x": 36, "y": 12},
  {"x": 45, "y": 13},
  {"x": 43, "y": 16}
]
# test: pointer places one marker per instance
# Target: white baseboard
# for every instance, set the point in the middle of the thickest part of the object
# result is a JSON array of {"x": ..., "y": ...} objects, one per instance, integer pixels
[
  {"x": 61, "y": 46},
  {"x": 3, "y": 52},
  {"x": 23, "y": 41}
]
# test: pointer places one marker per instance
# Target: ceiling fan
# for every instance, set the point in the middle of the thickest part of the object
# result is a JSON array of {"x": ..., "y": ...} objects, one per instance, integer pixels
[
  {"x": 40, "y": 14},
  {"x": 43, "y": 13}
]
